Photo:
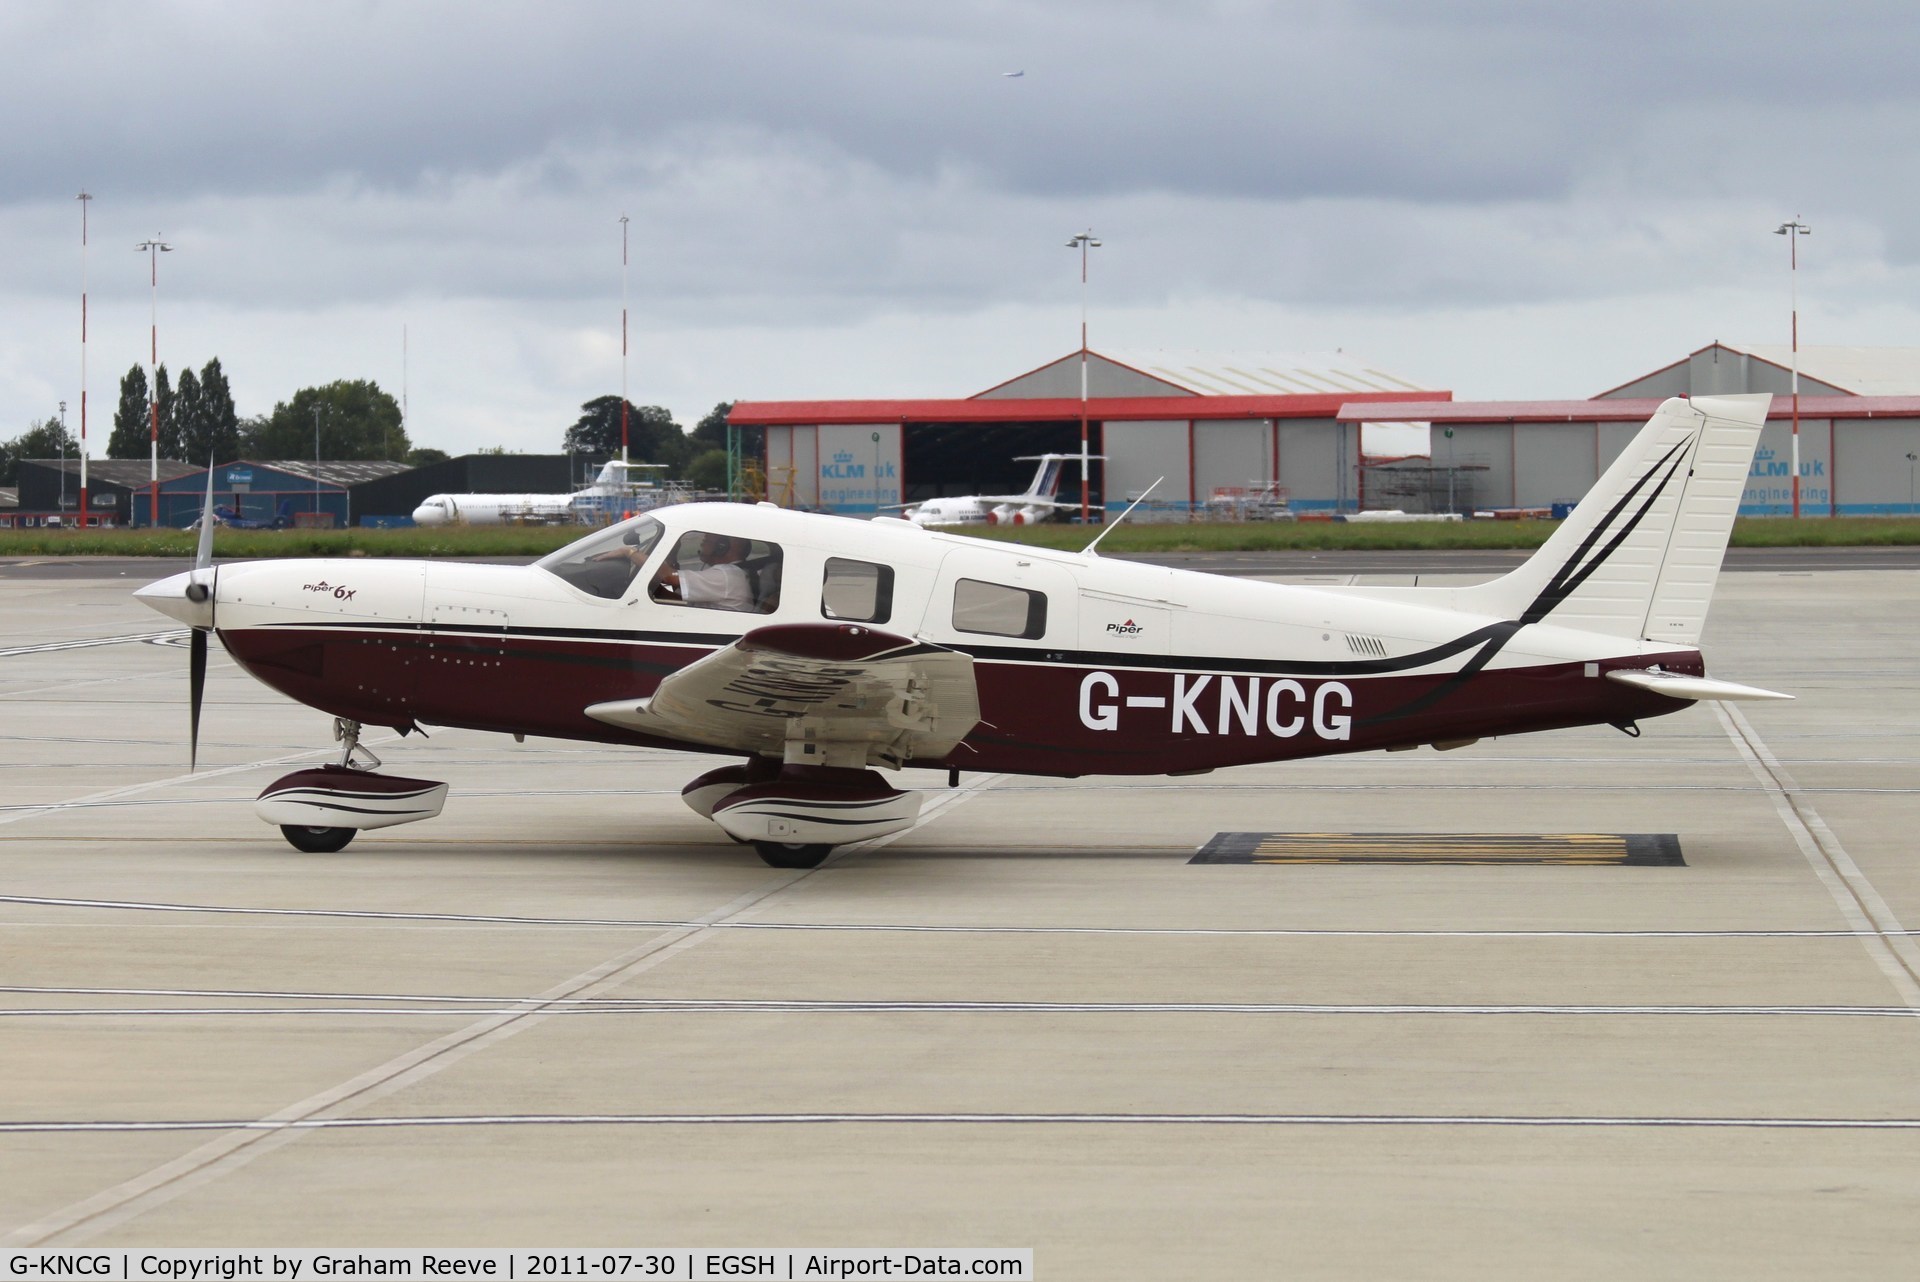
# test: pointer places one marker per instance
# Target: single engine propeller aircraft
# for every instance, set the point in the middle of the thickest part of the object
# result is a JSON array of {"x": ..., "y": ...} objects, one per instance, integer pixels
[{"x": 815, "y": 648}]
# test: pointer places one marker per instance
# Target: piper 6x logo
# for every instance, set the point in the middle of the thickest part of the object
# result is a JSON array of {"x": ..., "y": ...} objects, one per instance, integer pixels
[
  {"x": 1211, "y": 703},
  {"x": 339, "y": 593}
]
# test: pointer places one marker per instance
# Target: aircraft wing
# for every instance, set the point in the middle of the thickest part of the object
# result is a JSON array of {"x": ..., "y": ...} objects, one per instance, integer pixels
[{"x": 834, "y": 683}]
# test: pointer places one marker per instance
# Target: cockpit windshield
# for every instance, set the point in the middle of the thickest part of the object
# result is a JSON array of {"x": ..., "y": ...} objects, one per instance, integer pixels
[{"x": 605, "y": 562}]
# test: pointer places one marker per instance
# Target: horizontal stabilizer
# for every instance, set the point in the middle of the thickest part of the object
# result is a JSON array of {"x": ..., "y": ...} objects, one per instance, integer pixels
[{"x": 1675, "y": 686}]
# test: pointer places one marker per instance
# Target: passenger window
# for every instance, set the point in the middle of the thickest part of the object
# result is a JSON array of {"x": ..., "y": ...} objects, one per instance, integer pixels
[
  {"x": 998, "y": 610},
  {"x": 857, "y": 590},
  {"x": 720, "y": 572}
]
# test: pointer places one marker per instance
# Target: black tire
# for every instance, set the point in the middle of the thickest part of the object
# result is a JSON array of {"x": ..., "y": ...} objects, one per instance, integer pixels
[
  {"x": 780, "y": 854},
  {"x": 317, "y": 841}
]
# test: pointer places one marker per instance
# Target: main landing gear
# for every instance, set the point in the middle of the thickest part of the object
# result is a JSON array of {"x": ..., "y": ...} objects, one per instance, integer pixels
[
  {"x": 794, "y": 815},
  {"x": 318, "y": 811}
]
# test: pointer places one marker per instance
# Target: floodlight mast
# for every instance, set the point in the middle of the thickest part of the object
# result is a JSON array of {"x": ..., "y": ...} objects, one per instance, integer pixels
[
  {"x": 154, "y": 248},
  {"x": 1083, "y": 242},
  {"x": 1793, "y": 231},
  {"x": 623, "y": 338},
  {"x": 84, "y": 200}
]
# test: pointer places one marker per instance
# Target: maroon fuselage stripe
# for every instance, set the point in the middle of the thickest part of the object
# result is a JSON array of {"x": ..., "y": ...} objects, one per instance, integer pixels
[{"x": 1031, "y": 712}]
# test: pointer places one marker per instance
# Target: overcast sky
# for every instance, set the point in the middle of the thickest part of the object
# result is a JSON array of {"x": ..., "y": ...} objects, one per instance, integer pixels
[{"x": 852, "y": 200}]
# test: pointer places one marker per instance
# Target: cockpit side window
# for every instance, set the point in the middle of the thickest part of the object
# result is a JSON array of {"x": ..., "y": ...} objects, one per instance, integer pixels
[
  {"x": 860, "y": 591},
  {"x": 603, "y": 564},
  {"x": 715, "y": 571}
]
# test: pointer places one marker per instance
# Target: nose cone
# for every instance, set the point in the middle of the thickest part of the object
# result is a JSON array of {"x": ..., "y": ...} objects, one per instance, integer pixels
[
  {"x": 430, "y": 513},
  {"x": 174, "y": 597}
]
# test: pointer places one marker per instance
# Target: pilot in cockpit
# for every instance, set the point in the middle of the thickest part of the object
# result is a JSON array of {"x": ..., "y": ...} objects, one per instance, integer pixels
[{"x": 712, "y": 577}]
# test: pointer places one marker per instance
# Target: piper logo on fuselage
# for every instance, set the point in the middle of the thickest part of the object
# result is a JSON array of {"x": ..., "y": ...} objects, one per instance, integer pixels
[
  {"x": 1127, "y": 629},
  {"x": 340, "y": 593},
  {"x": 1213, "y": 703}
]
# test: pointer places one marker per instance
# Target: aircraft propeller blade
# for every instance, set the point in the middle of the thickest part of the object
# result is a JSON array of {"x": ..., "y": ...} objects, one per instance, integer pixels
[
  {"x": 203, "y": 554},
  {"x": 196, "y": 690},
  {"x": 197, "y": 641}
]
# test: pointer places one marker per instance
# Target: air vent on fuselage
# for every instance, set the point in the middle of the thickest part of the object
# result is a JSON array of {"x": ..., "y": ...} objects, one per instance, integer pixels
[{"x": 1373, "y": 646}]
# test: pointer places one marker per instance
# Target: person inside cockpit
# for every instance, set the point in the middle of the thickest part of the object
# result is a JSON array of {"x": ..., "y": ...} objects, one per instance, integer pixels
[{"x": 712, "y": 576}]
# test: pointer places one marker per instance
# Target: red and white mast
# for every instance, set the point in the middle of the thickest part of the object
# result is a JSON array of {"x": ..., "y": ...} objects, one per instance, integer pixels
[
  {"x": 84, "y": 200},
  {"x": 1792, "y": 231},
  {"x": 1083, "y": 242},
  {"x": 623, "y": 341}
]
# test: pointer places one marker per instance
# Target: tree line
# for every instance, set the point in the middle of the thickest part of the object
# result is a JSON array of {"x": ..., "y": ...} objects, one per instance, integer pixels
[
  {"x": 699, "y": 456},
  {"x": 196, "y": 419},
  {"x": 353, "y": 419}
]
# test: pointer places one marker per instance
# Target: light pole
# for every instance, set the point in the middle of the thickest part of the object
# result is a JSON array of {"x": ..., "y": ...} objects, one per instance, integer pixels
[
  {"x": 623, "y": 340},
  {"x": 154, "y": 248},
  {"x": 63, "y": 456},
  {"x": 1793, "y": 231},
  {"x": 1911, "y": 456},
  {"x": 316, "y": 466},
  {"x": 1083, "y": 242},
  {"x": 84, "y": 200}
]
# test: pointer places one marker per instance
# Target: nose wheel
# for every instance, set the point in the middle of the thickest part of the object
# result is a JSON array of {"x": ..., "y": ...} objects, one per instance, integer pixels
[
  {"x": 781, "y": 854},
  {"x": 317, "y": 841}
]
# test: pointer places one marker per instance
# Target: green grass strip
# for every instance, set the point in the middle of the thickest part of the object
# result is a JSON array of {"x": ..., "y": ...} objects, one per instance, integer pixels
[{"x": 1229, "y": 536}]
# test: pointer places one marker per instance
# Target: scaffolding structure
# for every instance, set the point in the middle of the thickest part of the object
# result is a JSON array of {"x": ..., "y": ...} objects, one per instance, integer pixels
[
  {"x": 1420, "y": 485},
  {"x": 1261, "y": 501}
]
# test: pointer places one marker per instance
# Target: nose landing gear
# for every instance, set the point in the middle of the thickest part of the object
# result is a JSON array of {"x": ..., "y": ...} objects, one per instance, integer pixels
[{"x": 318, "y": 811}]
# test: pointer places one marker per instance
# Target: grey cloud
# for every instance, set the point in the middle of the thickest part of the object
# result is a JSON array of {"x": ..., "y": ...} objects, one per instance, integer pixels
[{"x": 1406, "y": 101}]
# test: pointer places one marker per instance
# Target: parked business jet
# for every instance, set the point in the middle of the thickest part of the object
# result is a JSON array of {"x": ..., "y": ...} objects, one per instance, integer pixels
[
  {"x": 615, "y": 479},
  {"x": 1037, "y": 504},
  {"x": 818, "y": 651}
]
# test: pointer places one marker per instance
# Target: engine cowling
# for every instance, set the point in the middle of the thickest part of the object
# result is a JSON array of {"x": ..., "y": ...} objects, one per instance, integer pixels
[{"x": 1004, "y": 514}]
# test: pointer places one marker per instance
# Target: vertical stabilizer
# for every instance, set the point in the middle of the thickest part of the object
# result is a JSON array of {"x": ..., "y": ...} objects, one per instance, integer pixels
[
  {"x": 1639, "y": 556},
  {"x": 1046, "y": 478}
]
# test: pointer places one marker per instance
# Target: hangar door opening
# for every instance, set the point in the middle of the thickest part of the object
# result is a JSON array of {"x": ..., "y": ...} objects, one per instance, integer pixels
[{"x": 978, "y": 458}]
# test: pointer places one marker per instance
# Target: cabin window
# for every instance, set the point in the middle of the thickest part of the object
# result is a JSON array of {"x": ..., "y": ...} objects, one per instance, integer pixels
[
  {"x": 604, "y": 563},
  {"x": 714, "y": 571},
  {"x": 857, "y": 590},
  {"x": 998, "y": 610}
]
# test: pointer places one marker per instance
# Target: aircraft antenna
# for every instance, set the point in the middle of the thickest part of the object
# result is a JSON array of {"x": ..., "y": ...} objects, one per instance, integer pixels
[{"x": 1089, "y": 549}]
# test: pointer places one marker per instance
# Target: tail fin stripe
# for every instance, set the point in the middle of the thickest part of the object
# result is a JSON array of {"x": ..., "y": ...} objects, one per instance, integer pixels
[
  {"x": 1560, "y": 581},
  {"x": 1563, "y": 585}
]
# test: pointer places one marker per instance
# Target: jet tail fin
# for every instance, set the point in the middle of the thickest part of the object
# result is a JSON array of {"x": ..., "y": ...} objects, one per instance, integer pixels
[{"x": 1639, "y": 556}]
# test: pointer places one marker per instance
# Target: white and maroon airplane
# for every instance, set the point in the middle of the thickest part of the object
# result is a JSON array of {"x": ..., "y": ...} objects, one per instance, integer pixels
[{"x": 867, "y": 644}]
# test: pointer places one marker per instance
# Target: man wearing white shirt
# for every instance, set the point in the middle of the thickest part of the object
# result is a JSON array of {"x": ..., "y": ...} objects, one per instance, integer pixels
[{"x": 716, "y": 580}]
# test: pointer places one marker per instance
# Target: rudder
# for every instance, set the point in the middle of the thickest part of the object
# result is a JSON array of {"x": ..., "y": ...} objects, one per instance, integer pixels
[{"x": 1640, "y": 554}]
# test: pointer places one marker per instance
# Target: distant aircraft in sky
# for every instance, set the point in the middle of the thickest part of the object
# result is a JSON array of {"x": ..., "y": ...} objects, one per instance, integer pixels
[{"x": 1012, "y": 75}]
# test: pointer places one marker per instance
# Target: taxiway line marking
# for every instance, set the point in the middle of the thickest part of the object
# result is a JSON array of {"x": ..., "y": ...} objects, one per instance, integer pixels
[
  {"x": 86, "y": 643},
  {"x": 1873, "y": 921},
  {"x": 402, "y": 1006},
  {"x": 628, "y": 923},
  {"x": 298, "y": 1126},
  {"x": 930, "y": 810},
  {"x": 115, "y": 1205}
]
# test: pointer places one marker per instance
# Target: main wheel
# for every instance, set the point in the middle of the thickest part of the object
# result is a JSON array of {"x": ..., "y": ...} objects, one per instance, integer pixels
[
  {"x": 318, "y": 841},
  {"x": 780, "y": 854}
]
